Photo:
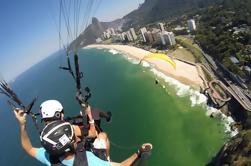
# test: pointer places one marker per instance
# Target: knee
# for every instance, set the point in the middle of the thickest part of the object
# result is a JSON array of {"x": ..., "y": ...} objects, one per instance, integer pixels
[{"x": 102, "y": 135}]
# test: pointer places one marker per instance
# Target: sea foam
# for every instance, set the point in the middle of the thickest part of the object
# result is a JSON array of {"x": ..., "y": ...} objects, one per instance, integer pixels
[
  {"x": 182, "y": 90},
  {"x": 197, "y": 98},
  {"x": 114, "y": 52}
]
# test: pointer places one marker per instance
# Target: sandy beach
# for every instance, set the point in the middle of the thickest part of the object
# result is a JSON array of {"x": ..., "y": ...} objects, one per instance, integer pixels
[{"x": 184, "y": 72}]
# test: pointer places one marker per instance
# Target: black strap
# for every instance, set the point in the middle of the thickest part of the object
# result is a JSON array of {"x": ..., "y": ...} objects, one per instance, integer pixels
[
  {"x": 80, "y": 156},
  {"x": 54, "y": 160},
  {"x": 84, "y": 131}
]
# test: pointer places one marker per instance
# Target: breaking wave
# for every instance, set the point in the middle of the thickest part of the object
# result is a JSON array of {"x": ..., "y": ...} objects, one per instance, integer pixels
[
  {"x": 197, "y": 98},
  {"x": 182, "y": 90},
  {"x": 112, "y": 51}
]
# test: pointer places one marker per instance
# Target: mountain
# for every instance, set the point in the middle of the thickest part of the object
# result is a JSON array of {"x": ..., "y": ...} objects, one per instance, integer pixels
[
  {"x": 149, "y": 11},
  {"x": 94, "y": 31},
  {"x": 155, "y": 10},
  {"x": 90, "y": 34}
]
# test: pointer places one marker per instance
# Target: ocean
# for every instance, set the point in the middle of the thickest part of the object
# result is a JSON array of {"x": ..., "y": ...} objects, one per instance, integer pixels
[{"x": 166, "y": 114}]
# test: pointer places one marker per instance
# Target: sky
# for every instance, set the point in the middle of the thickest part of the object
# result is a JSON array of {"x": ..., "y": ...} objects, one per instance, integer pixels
[{"x": 29, "y": 30}]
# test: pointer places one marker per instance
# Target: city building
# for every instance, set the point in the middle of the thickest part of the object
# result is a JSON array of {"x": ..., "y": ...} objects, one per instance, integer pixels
[
  {"x": 98, "y": 40},
  {"x": 106, "y": 35},
  {"x": 248, "y": 69},
  {"x": 234, "y": 60},
  {"x": 162, "y": 39},
  {"x": 171, "y": 38},
  {"x": 132, "y": 31},
  {"x": 116, "y": 38},
  {"x": 112, "y": 31},
  {"x": 167, "y": 38},
  {"x": 143, "y": 31},
  {"x": 191, "y": 25},
  {"x": 149, "y": 37},
  {"x": 155, "y": 34},
  {"x": 129, "y": 36},
  {"x": 108, "y": 31},
  {"x": 123, "y": 36},
  {"x": 161, "y": 26}
]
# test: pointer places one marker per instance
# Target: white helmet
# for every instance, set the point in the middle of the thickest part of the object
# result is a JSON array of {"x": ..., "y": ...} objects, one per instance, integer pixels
[{"x": 50, "y": 109}]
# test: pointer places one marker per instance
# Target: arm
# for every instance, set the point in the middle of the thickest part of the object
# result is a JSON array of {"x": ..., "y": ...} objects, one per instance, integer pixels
[
  {"x": 25, "y": 140},
  {"x": 129, "y": 161},
  {"x": 92, "y": 131}
]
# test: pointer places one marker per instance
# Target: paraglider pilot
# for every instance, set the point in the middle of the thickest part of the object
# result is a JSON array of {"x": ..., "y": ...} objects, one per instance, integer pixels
[{"x": 58, "y": 139}]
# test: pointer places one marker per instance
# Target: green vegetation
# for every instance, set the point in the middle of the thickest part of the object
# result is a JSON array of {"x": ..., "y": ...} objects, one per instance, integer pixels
[
  {"x": 224, "y": 32},
  {"x": 240, "y": 145},
  {"x": 183, "y": 53},
  {"x": 193, "y": 48},
  {"x": 207, "y": 75},
  {"x": 108, "y": 41},
  {"x": 156, "y": 10}
]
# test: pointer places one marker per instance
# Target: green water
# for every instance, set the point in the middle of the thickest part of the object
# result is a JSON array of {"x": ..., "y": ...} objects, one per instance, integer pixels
[{"x": 142, "y": 111}]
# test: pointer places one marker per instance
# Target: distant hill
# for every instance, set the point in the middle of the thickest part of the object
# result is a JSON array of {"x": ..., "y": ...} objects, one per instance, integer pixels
[
  {"x": 154, "y": 10},
  {"x": 90, "y": 34},
  {"x": 94, "y": 31},
  {"x": 149, "y": 11}
]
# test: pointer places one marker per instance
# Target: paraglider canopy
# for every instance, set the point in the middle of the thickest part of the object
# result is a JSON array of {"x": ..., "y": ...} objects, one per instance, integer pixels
[{"x": 160, "y": 56}]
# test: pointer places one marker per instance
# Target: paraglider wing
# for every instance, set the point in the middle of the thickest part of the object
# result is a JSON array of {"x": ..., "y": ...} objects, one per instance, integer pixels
[{"x": 163, "y": 57}]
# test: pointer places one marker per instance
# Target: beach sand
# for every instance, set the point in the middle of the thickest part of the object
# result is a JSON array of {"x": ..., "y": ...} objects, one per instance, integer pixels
[{"x": 184, "y": 72}]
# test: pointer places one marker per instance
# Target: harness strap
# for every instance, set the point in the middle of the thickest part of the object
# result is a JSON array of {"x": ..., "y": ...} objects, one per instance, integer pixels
[
  {"x": 54, "y": 160},
  {"x": 80, "y": 156}
]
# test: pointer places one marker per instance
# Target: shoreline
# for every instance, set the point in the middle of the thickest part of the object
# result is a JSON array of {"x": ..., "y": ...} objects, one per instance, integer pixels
[
  {"x": 184, "y": 72},
  {"x": 184, "y": 84}
]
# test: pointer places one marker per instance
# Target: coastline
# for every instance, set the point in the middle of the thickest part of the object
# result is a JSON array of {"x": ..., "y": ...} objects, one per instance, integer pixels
[
  {"x": 186, "y": 80},
  {"x": 184, "y": 72}
]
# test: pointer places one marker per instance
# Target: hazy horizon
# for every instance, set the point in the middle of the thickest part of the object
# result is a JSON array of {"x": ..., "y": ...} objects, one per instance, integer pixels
[{"x": 29, "y": 33}]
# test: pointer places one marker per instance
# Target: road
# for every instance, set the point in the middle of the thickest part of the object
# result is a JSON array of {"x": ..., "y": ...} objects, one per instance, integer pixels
[{"x": 237, "y": 92}]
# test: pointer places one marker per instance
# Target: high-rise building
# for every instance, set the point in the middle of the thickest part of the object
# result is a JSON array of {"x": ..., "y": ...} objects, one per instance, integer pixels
[
  {"x": 143, "y": 31},
  {"x": 116, "y": 38},
  {"x": 149, "y": 37},
  {"x": 169, "y": 38},
  {"x": 161, "y": 26},
  {"x": 162, "y": 39},
  {"x": 132, "y": 31},
  {"x": 123, "y": 36},
  {"x": 191, "y": 25},
  {"x": 108, "y": 31},
  {"x": 129, "y": 36},
  {"x": 98, "y": 40},
  {"x": 166, "y": 38},
  {"x": 106, "y": 35},
  {"x": 155, "y": 34},
  {"x": 112, "y": 31}
]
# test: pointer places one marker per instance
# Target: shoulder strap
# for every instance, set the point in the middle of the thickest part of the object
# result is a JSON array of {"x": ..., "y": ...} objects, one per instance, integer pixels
[
  {"x": 55, "y": 161},
  {"x": 80, "y": 156}
]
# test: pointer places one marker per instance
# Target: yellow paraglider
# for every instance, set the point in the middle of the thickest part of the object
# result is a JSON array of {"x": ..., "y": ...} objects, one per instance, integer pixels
[{"x": 161, "y": 56}]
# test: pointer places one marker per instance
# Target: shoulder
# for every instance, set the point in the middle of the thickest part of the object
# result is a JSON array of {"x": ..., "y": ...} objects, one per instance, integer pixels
[
  {"x": 42, "y": 156},
  {"x": 95, "y": 161}
]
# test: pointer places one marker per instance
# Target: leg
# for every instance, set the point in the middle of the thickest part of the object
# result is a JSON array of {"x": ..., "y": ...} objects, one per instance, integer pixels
[{"x": 103, "y": 136}]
